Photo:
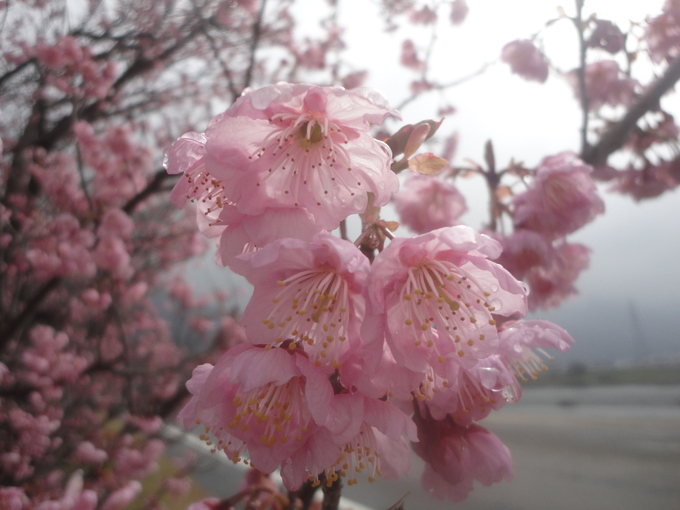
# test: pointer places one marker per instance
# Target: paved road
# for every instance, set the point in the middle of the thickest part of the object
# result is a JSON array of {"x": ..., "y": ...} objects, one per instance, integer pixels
[{"x": 598, "y": 448}]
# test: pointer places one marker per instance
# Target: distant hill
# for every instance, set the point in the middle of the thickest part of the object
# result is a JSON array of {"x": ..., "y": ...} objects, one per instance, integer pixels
[{"x": 578, "y": 374}]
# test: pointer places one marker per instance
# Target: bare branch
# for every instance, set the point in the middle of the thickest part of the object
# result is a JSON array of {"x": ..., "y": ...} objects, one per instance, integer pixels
[
  {"x": 581, "y": 74},
  {"x": 617, "y": 134},
  {"x": 257, "y": 31},
  {"x": 451, "y": 84},
  {"x": 29, "y": 310},
  {"x": 152, "y": 187}
]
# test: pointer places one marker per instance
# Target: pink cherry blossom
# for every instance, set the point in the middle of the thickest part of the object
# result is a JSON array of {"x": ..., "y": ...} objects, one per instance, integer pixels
[
  {"x": 87, "y": 453},
  {"x": 292, "y": 146},
  {"x": 456, "y": 456},
  {"x": 426, "y": 203},
  {"x": 525, "y": 60},
  {"x": 74, "y": 497},
  {"x": 552, "y": 284},
  {"x": 360, "y": 434},
  {"x": 266, "y": 489},
  {"x": 374, "y": 372},
  {"x": 523, "y": 250},
  {"x": 423, "y": 16},
  {"x": 217, "y": 216},
  {"x": 13, "y": 498},
  {"x": 606, "y": 84},
  {"x": 437, "y": 295},
  {"x": 207, "y": 504},
  {"x": 606, "y": 35},
  {"x": 474, "y": 392},
  {"x": 354, "y": 80},
  {"x": 649, "y": 181},
  {"x": 459, "y": 11},
  {"x": 263, "y": 401},
  {"x": 663, "y": 130},
  {"x": 137, "y": 463},
  {"x": 561, "y": 199},
  {"x": 663, "y": 33},
  {"x": 150, "y": 424},
  {"x": 310, "y": 293},
  {"x": 409, "y": 56},
  {"x": 185, "y": 156},
  {"x": 123, "y": 496},
  {"x": 523, "y": 343},
  {"x": 239, "y": 233}
]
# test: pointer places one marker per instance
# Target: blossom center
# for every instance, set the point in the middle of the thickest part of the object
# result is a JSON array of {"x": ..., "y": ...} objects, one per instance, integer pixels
[
  {"x": 358, "y": 455},
  {"x": 312, "y": 133},
  {"x": 276, "y": 412},
  {"x": 304, "y": 153},
  {"x": 528, "y": 363},
  {"x": 312, "y": 307},
  {"x": 440, "y": 299}
]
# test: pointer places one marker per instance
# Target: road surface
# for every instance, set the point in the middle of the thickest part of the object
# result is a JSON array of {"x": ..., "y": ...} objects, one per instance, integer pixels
[{"x": 602, "y": 448}]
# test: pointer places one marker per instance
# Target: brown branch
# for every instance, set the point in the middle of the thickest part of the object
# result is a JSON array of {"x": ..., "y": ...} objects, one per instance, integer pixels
[
  {"x": 152, "y": 187},
  {"x": 169, "y": 407},
  {"x": 16, "y": 70},
  {"x": 20, "y": 320},
  {"x": 216, "y": 53},
  {"x": 581, "y": 74},
  {"x": 304, "y": 496},
  {"x": 445, "y": 86},
  {"x": 257, "y": 31},
  {"x": 93, "y": 111},
  {"x": 331, "y": 495},
  {"x": 617, "y": 134}
]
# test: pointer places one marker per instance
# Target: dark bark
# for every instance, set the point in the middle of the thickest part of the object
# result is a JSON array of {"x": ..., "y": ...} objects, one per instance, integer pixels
[{"x": 617, "y": 134}]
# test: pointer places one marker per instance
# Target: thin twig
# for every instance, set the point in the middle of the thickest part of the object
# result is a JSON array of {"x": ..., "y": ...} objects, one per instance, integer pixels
[
  {"x": 152, "y": 187},
  {"x": 257, "y": 31},
  {"x": 20, "y": 320},
  {"x": 451, "y": 84},
  {"x": 585, "y": 101},
  {"x": 331, "y": 494},
  {"x": 216, "y": 52}
]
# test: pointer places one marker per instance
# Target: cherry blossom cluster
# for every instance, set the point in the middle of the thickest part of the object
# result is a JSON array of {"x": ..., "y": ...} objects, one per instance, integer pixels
[
  {"x": 93, "y": 349},
  {"x": 74, "y": 70},
  {"x": 350, "y": 355},
  {"x": 90, "y": 356},
  {"x": 559, "y": 197},
  {"x": 84, "y": 384},
  {"x": 89, "y": 366}
]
